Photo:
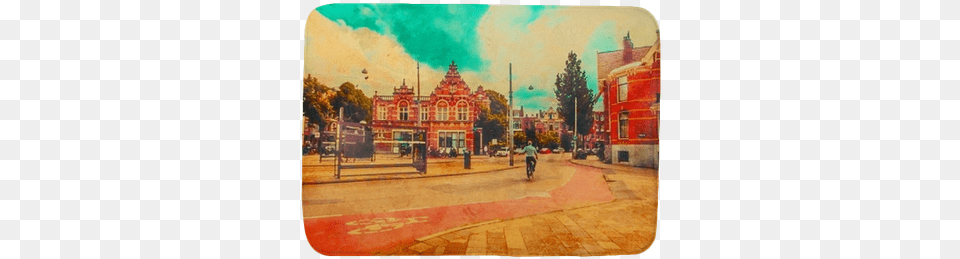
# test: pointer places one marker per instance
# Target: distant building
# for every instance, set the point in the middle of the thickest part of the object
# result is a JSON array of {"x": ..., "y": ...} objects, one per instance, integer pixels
[
  {"x": 449, "y": 112},
  {"x": 631, "y": 104},
  {"x": 552, "y": 122},
  {"x": 599, "y": 131}
]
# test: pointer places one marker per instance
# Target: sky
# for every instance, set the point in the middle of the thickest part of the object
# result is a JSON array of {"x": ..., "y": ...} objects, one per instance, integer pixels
[{"x": 388, "y": 40}]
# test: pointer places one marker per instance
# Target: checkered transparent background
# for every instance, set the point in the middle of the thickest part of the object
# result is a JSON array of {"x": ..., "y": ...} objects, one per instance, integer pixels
[{"x": 165, "y": 129}]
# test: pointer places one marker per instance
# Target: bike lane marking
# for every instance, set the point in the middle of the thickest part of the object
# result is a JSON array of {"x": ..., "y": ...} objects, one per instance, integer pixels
[{"x": 383, "y": 232}]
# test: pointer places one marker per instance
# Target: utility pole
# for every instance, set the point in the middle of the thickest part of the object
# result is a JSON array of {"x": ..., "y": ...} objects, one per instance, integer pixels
[
  {"x": 575, "y": 133},
  {"x": 510, "y": 123},
  {"x": 419, "y": 107}
]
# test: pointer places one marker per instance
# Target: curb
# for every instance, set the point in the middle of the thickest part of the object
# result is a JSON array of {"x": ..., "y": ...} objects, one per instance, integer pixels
[
  {"x": 611, "y": 167},
  {"x": 401, "y": 178}
]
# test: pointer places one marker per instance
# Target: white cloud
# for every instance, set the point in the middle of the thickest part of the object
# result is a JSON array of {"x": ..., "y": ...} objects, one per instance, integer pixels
[{"x": 336, "y": 53}]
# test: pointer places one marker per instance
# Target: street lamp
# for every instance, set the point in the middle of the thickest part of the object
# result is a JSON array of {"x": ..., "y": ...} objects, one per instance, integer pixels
[
  {"x": 510, "y": 111},
  {"x": 510, "y": 123}
]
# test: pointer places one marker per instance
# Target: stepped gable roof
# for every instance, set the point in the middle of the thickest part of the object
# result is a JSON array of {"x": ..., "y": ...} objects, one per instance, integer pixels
[{"x": 452, "y": 83}]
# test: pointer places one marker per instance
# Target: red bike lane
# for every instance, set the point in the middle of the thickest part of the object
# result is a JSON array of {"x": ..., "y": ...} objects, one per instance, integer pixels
[{"x": 383, "y": 232}]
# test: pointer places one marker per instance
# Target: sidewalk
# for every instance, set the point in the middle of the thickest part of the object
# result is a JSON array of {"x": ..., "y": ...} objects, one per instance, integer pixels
[
  {"x": 624, "y": 226},
  {"x": 317, "y": 172}
]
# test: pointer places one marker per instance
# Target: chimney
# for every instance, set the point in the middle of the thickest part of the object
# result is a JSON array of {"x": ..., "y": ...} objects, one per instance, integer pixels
[{"x": 627, "y": 49}]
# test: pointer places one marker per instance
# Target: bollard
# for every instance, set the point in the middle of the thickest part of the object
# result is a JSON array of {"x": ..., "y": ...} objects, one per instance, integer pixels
[{"x": 466, "y": 160}]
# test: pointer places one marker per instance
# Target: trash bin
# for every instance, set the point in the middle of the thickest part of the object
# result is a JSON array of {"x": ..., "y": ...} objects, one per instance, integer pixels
[{"x": 466, "y": 160}]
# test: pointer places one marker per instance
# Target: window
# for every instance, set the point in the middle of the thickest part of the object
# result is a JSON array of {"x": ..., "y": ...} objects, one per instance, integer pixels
[
  {"x": 462, "y": 111},
  {"x": 381, "y": 113},
  {"x": 622, "y": 89},
  {"x": 449, "y": 139},
  {"x": 424, "y": 113},
  {"x": 623, "y": 156},
  {"x": 551, "y": 116},
  {"x": 551, "y": 127},
  {"x": 624, "y": 124},
  {"x": 443, "y": 139},
  {"x": 404, "y": 111},
  {"x": 442, "y": 112},
  {"x": 402, "y": 139},
  {"x": 516, "y": 125}
]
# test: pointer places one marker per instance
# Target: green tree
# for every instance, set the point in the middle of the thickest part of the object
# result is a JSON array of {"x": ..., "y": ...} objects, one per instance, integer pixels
[
  {"x": 518, "y": 138},
  {"x": 565, "y": 141},
  {"x": 493, "y": 119},
  {"x": 356, "y": 106},
  {"x": 572, "y": 87},
  {"x": 494, "y": 125},
  {"x": 498, "y": 102},
  {"x": 531, "y": 134},
  {"x": 549, "y": 139},
  {"x": 316, "y": 100}
]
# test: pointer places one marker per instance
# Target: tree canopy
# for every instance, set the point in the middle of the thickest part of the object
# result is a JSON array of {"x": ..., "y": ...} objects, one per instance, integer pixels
[
  {"x": 321, "y": 102},
  {"x": 549, "y": 139},
  {"x": 572, "y": 91},
  {"x": 356, "y": 106},
  {"x": 493, "y": 119},
  {"x": 316, "y": 100}
]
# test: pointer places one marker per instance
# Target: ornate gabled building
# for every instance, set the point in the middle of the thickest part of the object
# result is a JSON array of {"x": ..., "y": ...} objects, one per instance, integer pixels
[
  {"x": 448, "y": 112},
  {"x": 552, "y": 121}
]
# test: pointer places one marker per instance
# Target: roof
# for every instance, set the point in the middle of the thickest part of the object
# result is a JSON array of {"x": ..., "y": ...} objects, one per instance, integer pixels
[
  {"x": 644, "y": 61},
  {"x": 610, "y": 60}
]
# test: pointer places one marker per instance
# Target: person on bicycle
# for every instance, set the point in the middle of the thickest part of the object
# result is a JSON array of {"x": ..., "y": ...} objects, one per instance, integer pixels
[{"x": 531, "y": 155}]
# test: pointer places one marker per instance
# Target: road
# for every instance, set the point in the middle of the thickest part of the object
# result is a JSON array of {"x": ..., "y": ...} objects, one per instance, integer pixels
[{"x": 369, "y": 218}]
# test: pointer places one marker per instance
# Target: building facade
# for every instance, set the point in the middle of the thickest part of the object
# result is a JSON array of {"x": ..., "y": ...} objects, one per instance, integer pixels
[
  {"x": 552, "y": 122},
  {"x": 631, "y": 104},
  {"x": 599, "y": 131},
  {"x": 448, "y": 113}
]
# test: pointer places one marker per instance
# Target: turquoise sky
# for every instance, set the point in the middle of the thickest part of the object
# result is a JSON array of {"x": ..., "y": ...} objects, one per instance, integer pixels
[
  {"x": 436, "y": 34},
  {"x": 428, "y": 42}
]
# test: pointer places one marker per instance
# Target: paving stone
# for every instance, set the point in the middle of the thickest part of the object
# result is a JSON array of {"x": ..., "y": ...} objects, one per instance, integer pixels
[
  {"x": 436, "y": 241},
  {"x": 455, "y": 249},
  {"x": 496, "y": 243},
  {"x": 477, "y": 244},
  {"x": 420, "y": 247},
  {"x": 609, "y": 245},
  {"x": 593, "y": 249},
  {"x": 514, "y": 239},
  {"x": 518, "y": 252}
]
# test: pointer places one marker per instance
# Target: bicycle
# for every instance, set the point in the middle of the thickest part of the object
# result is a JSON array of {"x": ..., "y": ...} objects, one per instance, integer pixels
[{"x": 530, "y": 170}]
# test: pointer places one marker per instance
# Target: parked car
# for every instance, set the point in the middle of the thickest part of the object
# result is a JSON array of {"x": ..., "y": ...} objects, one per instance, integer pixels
[
  {"x": 558, "y": 150},
  {"x": 503, "y": 152},
  {"x": 545, "y": 151}
]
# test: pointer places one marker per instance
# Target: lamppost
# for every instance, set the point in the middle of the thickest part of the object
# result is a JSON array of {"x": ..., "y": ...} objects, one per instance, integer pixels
[
  {"x": 575, "y": 133},
  {"x": 510, "y": 111},
  {"x": 510, "y": 115}
]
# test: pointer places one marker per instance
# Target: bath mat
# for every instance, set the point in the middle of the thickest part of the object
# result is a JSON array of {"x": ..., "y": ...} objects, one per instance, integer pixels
[{"x": 480, "y": 130}]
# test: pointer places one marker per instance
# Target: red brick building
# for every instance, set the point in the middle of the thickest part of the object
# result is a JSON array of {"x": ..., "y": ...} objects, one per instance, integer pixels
[
  {"x": 449, "y": 112},
  {"x": 599, "y": 131},
  {"x": 630, "y": 91}
]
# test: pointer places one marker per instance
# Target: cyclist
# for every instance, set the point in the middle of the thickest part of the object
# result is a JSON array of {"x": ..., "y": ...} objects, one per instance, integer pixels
[{"x": 531, "y": 155}]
